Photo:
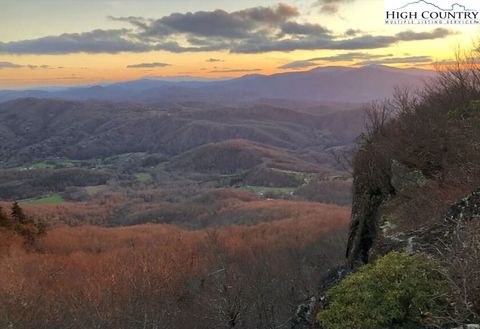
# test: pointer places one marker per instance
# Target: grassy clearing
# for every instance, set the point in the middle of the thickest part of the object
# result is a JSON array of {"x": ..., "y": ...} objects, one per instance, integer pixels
[
  {"x": 262, "y": 190},
  {"x": 52, "y": 164},
  {"x": 52, "y": 199},
  {"x": 143, "y": 177},
  {"x": 40, "y": 165}
]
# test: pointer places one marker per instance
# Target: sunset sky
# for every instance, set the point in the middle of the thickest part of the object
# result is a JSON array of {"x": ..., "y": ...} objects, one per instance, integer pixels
[{"x": 70, "y": 42}]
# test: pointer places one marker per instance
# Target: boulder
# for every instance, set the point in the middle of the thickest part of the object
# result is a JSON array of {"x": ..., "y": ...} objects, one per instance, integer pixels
[{"x": 403, "y": 177}]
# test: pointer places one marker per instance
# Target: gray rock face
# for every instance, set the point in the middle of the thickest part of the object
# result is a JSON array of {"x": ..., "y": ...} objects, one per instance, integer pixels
[
  {"x": 469, "y": 326},
  {"x": 364, "y": 224},
  {"x": 304, "y": 315},
  {"x": 404, "y": 177},
  {"x": 371, "y": 227},
  {"x": 473, "y": 326},
  {"x": 458, "y": 219},
  {"x": 466, "y": 209}
]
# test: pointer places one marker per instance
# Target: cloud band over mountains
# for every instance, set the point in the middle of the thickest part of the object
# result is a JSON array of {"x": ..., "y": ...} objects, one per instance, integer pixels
[
  {"x": 147, "y": 65},
  {"x": 9, "y": 65},
  {"x": 358, "y": 58},
  {"x": 253, "y": 30}
]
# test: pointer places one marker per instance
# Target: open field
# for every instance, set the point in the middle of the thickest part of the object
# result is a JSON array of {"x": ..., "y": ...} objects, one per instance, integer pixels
[
  {"x": 143, "y": 177},
  {"x": 53, "y": 199}
]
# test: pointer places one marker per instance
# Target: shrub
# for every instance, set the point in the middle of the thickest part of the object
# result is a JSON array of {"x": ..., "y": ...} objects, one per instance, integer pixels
[{"x": 398, "y": 291}]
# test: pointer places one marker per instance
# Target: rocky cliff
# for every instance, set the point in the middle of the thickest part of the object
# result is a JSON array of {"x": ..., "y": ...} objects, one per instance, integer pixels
[
  {"x": 375, "y": 229},
  {"x": 416, "y": 186}
]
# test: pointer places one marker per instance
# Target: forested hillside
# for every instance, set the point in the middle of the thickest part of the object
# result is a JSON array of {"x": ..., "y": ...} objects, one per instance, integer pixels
[{"x": 162, "y": 276}]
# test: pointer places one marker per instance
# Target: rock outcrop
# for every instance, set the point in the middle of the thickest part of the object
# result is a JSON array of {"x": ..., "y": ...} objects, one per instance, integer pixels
[
  {"x": 411, "y": 171},
  {"x": 453, "y": 238},
  {"x": 304, "y": 316},
  {"x": 374, "y": 232}
]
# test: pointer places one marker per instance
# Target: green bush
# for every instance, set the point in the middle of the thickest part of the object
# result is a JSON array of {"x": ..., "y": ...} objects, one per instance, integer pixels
[{"x": 398, "y": 291}]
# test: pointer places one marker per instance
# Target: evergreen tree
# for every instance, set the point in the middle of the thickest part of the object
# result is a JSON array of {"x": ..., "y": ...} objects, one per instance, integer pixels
[
  {"x": 18, "y": 215},
  {"x": 18, "y": 222},
  {"x": 5, "y": 221}
]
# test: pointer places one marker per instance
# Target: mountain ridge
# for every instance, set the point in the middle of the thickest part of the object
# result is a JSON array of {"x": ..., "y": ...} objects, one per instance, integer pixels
[{"x": 320, "y": 84}]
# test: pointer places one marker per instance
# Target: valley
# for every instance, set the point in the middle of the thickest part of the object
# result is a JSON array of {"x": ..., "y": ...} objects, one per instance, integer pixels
[{"x": 146, "y": 158}]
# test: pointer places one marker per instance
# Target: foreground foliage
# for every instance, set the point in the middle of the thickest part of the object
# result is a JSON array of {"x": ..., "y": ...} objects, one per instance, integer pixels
[
  {"x": 398, "y": 291},
  {"x": 162, "y": 276}
]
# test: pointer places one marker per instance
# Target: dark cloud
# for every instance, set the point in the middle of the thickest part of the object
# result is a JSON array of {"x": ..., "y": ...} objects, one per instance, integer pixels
[
  {"x": 359, "y": 58},
  {"x": 97, "y": 41},
  {"x": 349, "y": 57},
  {"x": 253, "y": 30},
  {"x": 220, "y": 30},
  {"x": 330, "y": 6},
  {"x": 147, "y": 65},
  {"x": 438, "y": 33},
  {"x": 214, "y": 60},
  {"x": 327, "y": 42},
  {"x": 364, "y": 42},
  {"x": 203, "y": 31},
  {"x": 400, "y": 60},
  {"x": 8, "y": 65},
  {"x": 235, "y": 70},
  {"x": 352, "y": 32},
  {"x": 304, "y": 29},
  {"x": 298, "y": 65},
  {"x": 219, "y": 23},
  {"x": 335, "y": 58}
]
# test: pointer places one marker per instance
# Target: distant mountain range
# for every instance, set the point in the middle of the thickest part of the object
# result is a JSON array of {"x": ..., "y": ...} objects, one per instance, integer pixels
[{"x": 323, "y": 84}]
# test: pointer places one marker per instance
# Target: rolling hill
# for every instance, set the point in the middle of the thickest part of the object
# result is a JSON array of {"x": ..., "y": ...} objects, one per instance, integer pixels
[{"x": 37, "y": 129}]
